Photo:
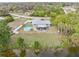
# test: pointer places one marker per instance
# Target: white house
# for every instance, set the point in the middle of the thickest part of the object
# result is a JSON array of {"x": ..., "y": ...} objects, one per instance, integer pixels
[
  {"x": 41, "y": 24},
  {"x": 69, "y": 9},
  {"x": 2, "y": 18}
]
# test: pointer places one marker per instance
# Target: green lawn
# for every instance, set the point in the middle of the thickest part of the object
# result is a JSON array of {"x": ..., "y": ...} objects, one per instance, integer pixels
[{"x": 46, "y": 39}]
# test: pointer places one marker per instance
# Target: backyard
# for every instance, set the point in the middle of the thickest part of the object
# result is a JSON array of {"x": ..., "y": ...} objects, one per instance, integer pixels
[{"x": 50, "y": 38}]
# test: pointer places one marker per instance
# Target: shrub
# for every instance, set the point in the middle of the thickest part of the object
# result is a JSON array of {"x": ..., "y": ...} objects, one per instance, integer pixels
[{"x": 9, "y": 18}]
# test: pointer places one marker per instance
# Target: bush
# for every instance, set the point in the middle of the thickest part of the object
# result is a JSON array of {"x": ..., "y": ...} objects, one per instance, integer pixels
[
  {"x": 8, "y": 53},
  {"x": 9, "y": 18},
  {"x": 36, "y": 45},
  {"x": 22, "y": 47},
  {"x": 21, "y": 43},
  {"x": 75, "y": 39},
  {"x": 22, "y": 52}
]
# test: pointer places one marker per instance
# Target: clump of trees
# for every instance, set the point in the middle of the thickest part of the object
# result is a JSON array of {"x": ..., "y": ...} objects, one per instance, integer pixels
[
  {"x": 63, "y": 23},
  {"x": 5, "y": 14},
  {"x": 38, "y": 11},
  {"x": 50, "y": 10},
  {"x": 5, "y": 34},
  {"x": 68, "y": 25}
]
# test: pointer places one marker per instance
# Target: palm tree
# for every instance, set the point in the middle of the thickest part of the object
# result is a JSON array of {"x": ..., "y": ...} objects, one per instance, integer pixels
[
  {"x": 21, "y": 45},
  {"x": 36, "y": 47}
]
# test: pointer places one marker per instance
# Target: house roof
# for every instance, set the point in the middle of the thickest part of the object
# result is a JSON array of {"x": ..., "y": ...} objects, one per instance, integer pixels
[
  {"x": 40, "y": 21},
  {"x": 1, "y": 18},
  {"x": 68, "y": 9}
]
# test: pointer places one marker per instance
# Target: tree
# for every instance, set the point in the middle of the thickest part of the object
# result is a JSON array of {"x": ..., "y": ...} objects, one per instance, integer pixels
[
  {"x": 49, "y": 10},
  {"x": 3, "y": 12},
  {"x": 54, "y": 11},
  {"x": 5, "y": 34},
  {"x": 67, "y": 22},
  {"x": 75, "y": 39},
  {"x": 69, "y": 25},
  {"x": 9, "y": 18},
  {"x": 61, "y": 19},
  {"x": 36, "y": 47},
  {"x": 21, "y": 44},
  {"x": 14, "y": 7},
  {"x": 38, "y": 11}
]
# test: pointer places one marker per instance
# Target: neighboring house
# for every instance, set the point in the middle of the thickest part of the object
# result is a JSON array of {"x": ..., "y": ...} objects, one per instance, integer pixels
[
  {"x": 2, "y": 18},
  {"x": 69, "y": 9},
  {"x": 41, "y": 24}
]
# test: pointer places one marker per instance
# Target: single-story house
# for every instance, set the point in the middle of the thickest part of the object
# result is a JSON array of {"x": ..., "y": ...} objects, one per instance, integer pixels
[
  {"x": 41, "y": 24},
  {"x": 69, "y": 9},
  {"x": 2, "y": 18}
]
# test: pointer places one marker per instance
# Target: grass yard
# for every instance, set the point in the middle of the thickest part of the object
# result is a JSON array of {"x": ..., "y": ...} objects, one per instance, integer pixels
[{"x": 47, "y": 39}]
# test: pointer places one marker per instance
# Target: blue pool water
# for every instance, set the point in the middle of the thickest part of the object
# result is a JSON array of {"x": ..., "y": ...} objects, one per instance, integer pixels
[{"x": 27, "y": 28}]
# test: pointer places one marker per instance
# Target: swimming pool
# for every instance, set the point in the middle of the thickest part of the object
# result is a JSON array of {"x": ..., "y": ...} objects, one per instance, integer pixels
[{"x": 27, "y": 28}]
